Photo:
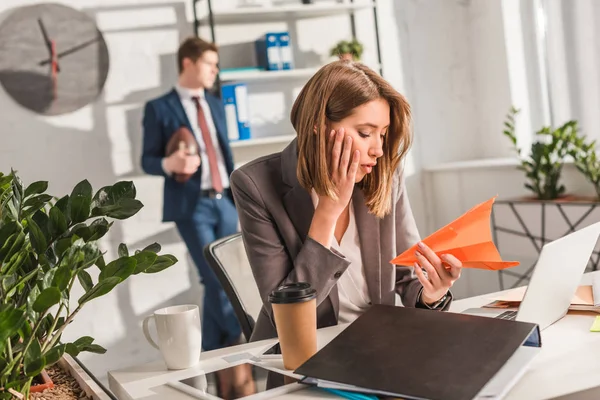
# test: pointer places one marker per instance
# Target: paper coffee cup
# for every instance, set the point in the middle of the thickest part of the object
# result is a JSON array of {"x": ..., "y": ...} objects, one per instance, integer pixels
[{"x": 295, "y": 311}]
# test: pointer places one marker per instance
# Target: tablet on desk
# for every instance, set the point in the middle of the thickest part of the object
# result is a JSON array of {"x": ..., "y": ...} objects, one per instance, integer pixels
[{"x": 264, "y": 384}]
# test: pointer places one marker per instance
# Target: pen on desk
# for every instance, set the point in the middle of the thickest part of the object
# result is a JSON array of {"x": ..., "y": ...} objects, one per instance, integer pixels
[{"x": 350, "y": 395}]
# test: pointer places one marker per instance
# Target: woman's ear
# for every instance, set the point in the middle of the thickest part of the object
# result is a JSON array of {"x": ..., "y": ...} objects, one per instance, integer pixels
[{"x": 315, "y": 129}]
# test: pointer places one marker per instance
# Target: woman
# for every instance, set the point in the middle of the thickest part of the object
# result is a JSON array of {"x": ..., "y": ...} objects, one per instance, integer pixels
[{"x": 332, "y": 210}]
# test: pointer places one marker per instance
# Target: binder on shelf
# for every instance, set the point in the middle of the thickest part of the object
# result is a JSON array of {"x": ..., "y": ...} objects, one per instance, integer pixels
[
  {"x": 285, "y": 50},
  {"x": 237, "y": 113},
  {"x": 267, "y": 52},
  {"x": 423, "y": 354}
]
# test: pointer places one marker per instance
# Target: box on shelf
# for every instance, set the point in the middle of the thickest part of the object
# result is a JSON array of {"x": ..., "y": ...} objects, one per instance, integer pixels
[
  {"x": 274, "y": 51},
  {"x": 237, "y": 113},
  {"x": 267, "y": 52}
]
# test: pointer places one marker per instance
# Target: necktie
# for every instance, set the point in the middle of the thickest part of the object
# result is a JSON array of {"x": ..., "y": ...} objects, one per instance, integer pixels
[{"x": 215, "y": 177}]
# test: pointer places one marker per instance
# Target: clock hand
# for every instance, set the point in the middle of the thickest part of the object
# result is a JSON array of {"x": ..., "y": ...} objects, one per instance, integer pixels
[
  {"x": 54, "y": 68},
  {"x": 72, "y": 50},
  {"x": 47, "y": 39}
]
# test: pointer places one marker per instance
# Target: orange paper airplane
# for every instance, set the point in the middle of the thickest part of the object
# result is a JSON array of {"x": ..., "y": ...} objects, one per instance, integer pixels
[{"x": 467, "y": 238}]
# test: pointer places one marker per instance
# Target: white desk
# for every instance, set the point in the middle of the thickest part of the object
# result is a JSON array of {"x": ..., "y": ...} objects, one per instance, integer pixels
[{"x": 569, "y": 362}]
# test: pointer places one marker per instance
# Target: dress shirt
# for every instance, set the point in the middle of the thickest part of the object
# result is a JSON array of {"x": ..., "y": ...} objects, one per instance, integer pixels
[{"x": 186, "y": 95}]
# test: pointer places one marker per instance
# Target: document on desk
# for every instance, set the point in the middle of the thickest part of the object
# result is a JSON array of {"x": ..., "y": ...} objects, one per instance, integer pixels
[
  {"x": 400, "y": 351},
  {"x": 468, "y": 238},
  {"x": 586, "y": 298}
]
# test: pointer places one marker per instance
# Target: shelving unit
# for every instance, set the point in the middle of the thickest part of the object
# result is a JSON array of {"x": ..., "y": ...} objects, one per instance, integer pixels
[
  {"x": 245, "y": 150},
  {"x": 261, "y": 141},
  {"x": 281, "y": 12},
  {"x": 251, "y": 76}
]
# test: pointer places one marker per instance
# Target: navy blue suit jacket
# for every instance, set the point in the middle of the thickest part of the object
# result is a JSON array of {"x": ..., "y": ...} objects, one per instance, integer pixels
[{"x": 162, "y": 117}]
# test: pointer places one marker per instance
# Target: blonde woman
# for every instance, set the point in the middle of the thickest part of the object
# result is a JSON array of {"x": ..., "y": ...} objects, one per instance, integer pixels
[{"x": 332, "y": 209}]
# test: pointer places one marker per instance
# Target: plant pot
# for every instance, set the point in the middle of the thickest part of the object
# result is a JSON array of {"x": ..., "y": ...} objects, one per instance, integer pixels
[
  {"x": 346, "y": 56},
  {"x": 83, "y": 382},
  {"x": 44, "y": 382}
]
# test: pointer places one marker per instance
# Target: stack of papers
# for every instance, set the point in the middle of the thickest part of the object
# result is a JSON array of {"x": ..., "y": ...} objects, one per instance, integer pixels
[{"x": 586, "y": 298}]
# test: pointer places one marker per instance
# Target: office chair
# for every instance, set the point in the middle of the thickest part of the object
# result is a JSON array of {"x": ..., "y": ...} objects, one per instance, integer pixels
[{"x": 227, "y": 258}]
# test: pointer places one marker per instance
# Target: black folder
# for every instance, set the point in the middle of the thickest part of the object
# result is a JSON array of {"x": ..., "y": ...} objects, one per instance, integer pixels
[{"x": 420, "y": 354}]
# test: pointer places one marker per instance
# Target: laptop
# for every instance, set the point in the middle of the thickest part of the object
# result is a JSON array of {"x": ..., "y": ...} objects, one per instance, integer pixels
[{"x": 556, "y": 277}]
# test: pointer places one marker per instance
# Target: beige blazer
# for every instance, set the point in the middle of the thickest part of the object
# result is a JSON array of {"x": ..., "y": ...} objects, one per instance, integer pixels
[{"x": 275, "y": 214}]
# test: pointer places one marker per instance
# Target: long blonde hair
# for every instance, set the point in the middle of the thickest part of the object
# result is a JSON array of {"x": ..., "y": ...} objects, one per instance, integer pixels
[{"x": 331, "y": 95}]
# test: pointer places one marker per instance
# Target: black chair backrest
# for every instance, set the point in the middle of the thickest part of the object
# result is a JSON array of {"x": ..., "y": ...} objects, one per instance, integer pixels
[{"x": 227, "y": 257}]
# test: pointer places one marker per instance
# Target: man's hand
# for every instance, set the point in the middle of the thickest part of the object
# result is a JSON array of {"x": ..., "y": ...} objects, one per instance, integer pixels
[{"x": 181, "y": 163}]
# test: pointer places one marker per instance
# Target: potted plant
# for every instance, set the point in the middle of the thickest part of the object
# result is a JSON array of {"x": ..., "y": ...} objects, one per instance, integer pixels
[
  {"x": 544, "y": 164},
  {"x": 348, "y": 50},
  {"x": 586, "y": 161},
  {"x": 46, "y": 246}
]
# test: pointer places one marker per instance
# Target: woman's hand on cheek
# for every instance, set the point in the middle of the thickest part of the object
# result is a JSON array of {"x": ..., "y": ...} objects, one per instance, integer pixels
[
  {"x": 343, "y": 165},
  {"x": 440, "y": 273}
]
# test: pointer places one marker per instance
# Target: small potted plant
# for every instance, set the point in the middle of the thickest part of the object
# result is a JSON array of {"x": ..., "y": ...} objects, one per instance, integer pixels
[
  {"x": 586, "y": 161},
  {"x": 348, "y": 50},
  {"x": 543, "y": 165},
  {"x": 46, "y": 247}
]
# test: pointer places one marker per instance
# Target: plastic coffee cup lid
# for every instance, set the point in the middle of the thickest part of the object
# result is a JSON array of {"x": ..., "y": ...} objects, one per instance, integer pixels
[{"x": 292, "y": 293}]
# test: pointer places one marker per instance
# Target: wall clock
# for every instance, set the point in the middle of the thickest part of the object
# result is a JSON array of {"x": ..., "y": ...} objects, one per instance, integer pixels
[{"x": 53, "y": 58}]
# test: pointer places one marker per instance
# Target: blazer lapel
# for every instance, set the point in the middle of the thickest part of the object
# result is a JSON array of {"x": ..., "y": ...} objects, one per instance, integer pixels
[
  {"x": 296, "y": 199},
  {"x": 367, "y": 226},
  {"x": 175, "y": 104}
]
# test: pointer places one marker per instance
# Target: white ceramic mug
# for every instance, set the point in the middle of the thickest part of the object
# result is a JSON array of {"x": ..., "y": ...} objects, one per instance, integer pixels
[{"x": 179, "y": 335}]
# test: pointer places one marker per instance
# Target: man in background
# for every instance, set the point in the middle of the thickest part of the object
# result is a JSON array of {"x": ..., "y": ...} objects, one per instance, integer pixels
[{"x": 202, "y": 206}]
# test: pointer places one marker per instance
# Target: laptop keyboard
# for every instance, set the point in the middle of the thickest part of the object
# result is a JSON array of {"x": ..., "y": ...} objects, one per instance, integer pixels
[{"x": 511, "y": 315}]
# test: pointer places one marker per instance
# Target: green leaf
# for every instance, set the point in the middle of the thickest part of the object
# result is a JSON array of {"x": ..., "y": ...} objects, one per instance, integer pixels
[
  {"x": 94, "y": 348},
  {"x": 154, "y": 247},
  {"x": 36, "y": 188},
  {"x": 41, "y": 219},
  {"x": 33, "y": 352},
  {"x": 83, "y": 341},
  {"x": 91, "y": 254},
  {"x": 48, "y": 278},
  {"x": 71, "y": 349},
  {"x": 83, "y": 231},
  {"x": 124, "y": 209},
  {"x": 36, "y": 236},
  {"x": 11, "y": 320},
  {"x": 7, "y": 230},
  {"x": 100, "y": 289},
  {"x": 49, "y": 297},
  {"x": 123, "y": 252},
  {"x": 80, "y": 202},
  {"x": 62, "y": 245},
  {"x": 30, "y": 275},
  {"x": 121, "y": 268},
  {"x": 57, "y": 225},
  {"x": 12, "y": 245},
  {"x": 111, "y": 195},
  {"x": 54, "y": 354},
  {"x": 85, "y": 280},
  {"x": 62, "y": 277},
  {"x": 34, "y": 368},
  {"x": 45, "y": 325},
  {"x": 98, "y": 228},
  {"x": 37, "y": 201},
  {"x": 100, "y": 263},
  {"x": 144, "y": 260},
  {"x": 63, "y": 205},
  {"x": 162, "y": 262}
]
